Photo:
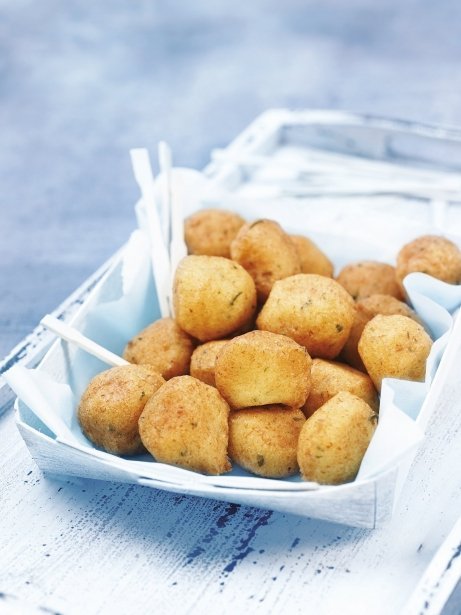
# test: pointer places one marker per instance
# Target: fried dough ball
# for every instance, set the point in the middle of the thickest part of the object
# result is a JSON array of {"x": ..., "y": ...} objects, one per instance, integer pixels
[
  {"x": 394, "y": 347},
  {"x": 210, "y": 231},
  {"x": 203, "y": 362},
  {"x": 330, "y": 377},
  {"x": 431, "y": 254},
  {"x": 366, "y": 309},
  {"x": 313, "y": 260},
  {"x": 334, "y": 439},
  {"x": 267, "y": 253},
  {"x": 164, "y": 346},
  {"x": 186, "y": 424},
  {"x": 369, "y": 278},
  {"x": 265, "y": 440},
  {"x": 385, "y": 305},
  {"x": 110, "y": 407},
  {"x": 261, "y": 368},
  {"x": 313, "y": 310},
  {"x": 212, "y": 296}
]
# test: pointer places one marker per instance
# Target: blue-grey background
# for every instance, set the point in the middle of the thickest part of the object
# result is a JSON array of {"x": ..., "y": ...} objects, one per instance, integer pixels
[{"x": 81, "y": 83}]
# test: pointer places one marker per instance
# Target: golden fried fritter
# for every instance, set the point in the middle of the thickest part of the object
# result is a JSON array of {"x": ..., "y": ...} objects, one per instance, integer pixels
[
  {"x": 394, "y": 347},
  {"x": 267, "y": 253},
  {"x": 313, "y": 260},
  {"x": 261, "y": 368},
  {"x": 212, "y": 296},
  {"x": 365, "y": 310},
  {"x": 112, "y": 404},
  {"x": 367, "y": 278},
  {"x": 431, "y": 254},
  {"x": 203, "y": 362},
  {"x": 331, "y": 377},
  {"x": 210, "y": 231},
  {"x": 313, "y": 310},
  {"x": 334, "y": 439},
  {"x": 264, "y": 440},
  {"x": 163, "y": 345},
  {"x": 186, "y": 425}
]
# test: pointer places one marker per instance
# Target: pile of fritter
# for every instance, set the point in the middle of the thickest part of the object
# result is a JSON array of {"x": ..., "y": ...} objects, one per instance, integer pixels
[{"x": 270, "y": 363}]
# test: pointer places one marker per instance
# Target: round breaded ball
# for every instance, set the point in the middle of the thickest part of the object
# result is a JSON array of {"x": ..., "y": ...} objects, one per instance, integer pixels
[
  {"x": 313, "y": 310},
  {"x": 330, "y": 377},
  {"x": 394, "y": 347},
  {"x": 111, "y": 405},
  {"x": 186, "y": 425},
  {"x": 203, "y": 362},
  {"x": 212, "y": 297},
  {"x": 261, "y": 368},
  {"x": 210, "y": 231},
  {"x": 313, "y": 260},
  {"x": 431, "y": 254},
  {"x": 366, "y": 309},
  {"x": 386, "y": 306},
  {"x": 367, "y": 278},
  {"x": 267, "y": 253},
  {"x": 164, "y": 346},
  {"x": 265, "y": 440},
  {"x": 334, "y": 440}
]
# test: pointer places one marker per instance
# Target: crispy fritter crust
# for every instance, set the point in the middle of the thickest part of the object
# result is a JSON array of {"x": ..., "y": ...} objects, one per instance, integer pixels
[
  {"x": 267, "y": 253},
  {"x": 367, "y": 278},
  {"x": 210, "y": 231},
  {"x": 394, "y": 347},
  {"x": 264, "y": 440},
  {"x": 366, "y": 309},
  {"x": 313, "y": 260},
  {"x": 431, "y": 254},
  {"x": 163, "y": 345},
  {"x": 313, "y": 310},
  {"x": 261, "y": 368},
  {"x": 213, "y": 297},
  {"x": 203, "y": 362},
  {"x": 186, "y": 425},
  {"x": 112, "y": 404},
  {"x": 334, "y": 439},
  {"x": 330, "y": 377}
]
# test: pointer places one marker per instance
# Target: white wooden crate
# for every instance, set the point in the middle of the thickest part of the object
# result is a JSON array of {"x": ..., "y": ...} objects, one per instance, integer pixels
[{"x": 289, "y": 165}]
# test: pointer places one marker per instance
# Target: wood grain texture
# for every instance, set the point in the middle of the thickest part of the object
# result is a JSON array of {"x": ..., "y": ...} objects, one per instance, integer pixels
[{"x": 439, "y": 588}]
